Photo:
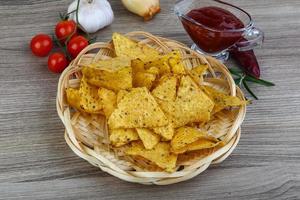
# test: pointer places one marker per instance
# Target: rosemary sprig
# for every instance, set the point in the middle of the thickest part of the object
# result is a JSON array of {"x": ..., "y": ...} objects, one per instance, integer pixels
[{"x": 243, "y": 79}]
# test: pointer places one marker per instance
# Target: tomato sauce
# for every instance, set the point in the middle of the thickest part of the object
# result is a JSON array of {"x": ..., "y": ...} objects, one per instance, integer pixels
[{"x": 215, "y": 30}]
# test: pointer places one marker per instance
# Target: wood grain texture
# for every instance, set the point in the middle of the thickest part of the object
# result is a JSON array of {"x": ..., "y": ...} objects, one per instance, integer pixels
[{"x": 35, "y": 162}]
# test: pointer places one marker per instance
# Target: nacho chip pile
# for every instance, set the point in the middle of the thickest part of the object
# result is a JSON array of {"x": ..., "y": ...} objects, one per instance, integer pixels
[{"x": 155, "y": 107}]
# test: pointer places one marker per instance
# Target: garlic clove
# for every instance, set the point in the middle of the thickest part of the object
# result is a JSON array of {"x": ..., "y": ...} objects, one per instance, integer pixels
[{"x": 146, "y": 8}]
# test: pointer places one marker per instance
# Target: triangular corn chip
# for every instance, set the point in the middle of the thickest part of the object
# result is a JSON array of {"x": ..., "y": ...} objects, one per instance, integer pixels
[
  {"x": 194, "y": 104},
  {"x": 166, "y": 132},
  {"x": 116, "y": 80},
  {"x": 153, "y": 70},
  {"x": 108, "y": 99},
  {"x": 160, "y": 155},
  {"x": 111, "y": 65},
  {"x": 171, "y": 110},
  {"x": 175, "y": 63},
  {"x": 143, "y": 79},
  {"x": 162, "y": 66},
  {"x": 89, "y": 97},
  {"x": 161, "y": 63},
  {"x": 188, "y": 157},
  {"x": 85, "y": 98},
  {"x": 73, "y": 98},
  {"x": 203, "y": 143},
  {"x": 120, "y": 95},
  {"x": 137, "y": 109},
  {"x": 166, "y": 88},
  {"x": 191, "y": 104},
  {"x": 148, "y": 137},
  {"x": 222, "y": 100},
  {"x": 137, "y": 66},
  {"x": 126, "y": 47},
  {"x": 170, "y": 62},
  {"x": 190, "y": 139},
  {"x": 197, "y": 73},
  {"x": 120, "y": 137}
]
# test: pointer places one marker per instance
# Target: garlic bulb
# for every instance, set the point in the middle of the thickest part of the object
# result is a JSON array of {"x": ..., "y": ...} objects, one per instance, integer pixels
[
  {"x": 92, "y": 14},
  {"x": 144, "y": 8}
]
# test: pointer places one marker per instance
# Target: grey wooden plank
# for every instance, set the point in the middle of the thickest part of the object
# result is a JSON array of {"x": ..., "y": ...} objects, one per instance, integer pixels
[
  {"x": 35, "y": 162},
  {"x": 273, "y": 183}
]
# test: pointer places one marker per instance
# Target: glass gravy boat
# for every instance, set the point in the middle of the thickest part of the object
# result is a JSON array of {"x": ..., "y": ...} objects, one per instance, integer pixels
[{"x": 216, "y": 42}]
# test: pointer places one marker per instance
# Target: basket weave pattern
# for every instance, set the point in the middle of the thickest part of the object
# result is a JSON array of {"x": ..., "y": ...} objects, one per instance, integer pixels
[{"x": 87, "y": 135}]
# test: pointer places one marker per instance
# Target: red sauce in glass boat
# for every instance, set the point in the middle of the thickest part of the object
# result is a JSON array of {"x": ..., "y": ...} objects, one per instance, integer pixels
[{"x": 213, "y": 31}]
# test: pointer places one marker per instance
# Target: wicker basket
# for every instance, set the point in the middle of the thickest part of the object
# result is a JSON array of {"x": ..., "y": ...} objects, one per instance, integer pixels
[{"x": 87, "y": 135}]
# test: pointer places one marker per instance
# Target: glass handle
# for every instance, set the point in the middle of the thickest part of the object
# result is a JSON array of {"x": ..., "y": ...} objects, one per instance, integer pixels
[{"x": 253, "y": 38}]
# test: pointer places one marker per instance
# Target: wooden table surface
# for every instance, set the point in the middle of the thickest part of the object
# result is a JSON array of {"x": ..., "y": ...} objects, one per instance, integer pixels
[{"x": 36, "y": 163}]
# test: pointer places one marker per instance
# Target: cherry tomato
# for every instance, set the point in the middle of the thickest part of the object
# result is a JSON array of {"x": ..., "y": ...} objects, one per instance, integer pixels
[
  {"x": 76, "y": 44},
  {"x": 65, "y": 29},
  {"x": 57, "y": 62},
  {"x": 41, "y": 45}
]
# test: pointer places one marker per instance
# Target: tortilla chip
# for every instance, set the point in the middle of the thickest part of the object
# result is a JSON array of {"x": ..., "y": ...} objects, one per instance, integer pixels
[
  {"x": 222, "y": 100},
  {"x": 190, "y": 139},
  {"x": 143, "y": 79},
  {"x": 166, "y": 132},
  {"x": 175, "y": 63},
  {"x": 84, "y": 99},
  {"x": 165, "y": 95},
  {"x": 73, "y": 98},
  {"x": 186, "y": 135},
  {"x": 111, "y": 65},
  {"x": 161, "y": 64},
  {"x": 153, "y": 70},
  {"x": 160, "y": 155},
  {"x": 137, "y": 66},
  {"x": 170, "y": 62},
  {"x": 191, "y": 104},
  {"x": 203, "y": 144},
  {"x": 148, "y": 137},
  {"x": 166, "y": 88},
  {"x": 171, "y": 110},
  {"x": 120, "y": 95},
  {"x": 126, "y": 47},
  {"x": 197, "y": 73},
  {"x": 108, "y": 99},
  {"x": 120, "y": 137},
  {"x": 187, "y": 157},
  {"x": 194, "y": 104},
  {"x": 116, "y": 80},
  {"x": 89, "y": 99},
  {"x": 137, "y": 109}
]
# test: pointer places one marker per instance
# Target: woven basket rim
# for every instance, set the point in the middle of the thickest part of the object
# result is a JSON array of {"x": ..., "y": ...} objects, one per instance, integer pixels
[{"x": 146, "y": 177}]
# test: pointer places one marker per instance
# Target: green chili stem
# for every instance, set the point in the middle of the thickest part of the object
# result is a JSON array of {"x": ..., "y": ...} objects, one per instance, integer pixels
[
  {"x": 249, "y": 90},
  {"x": 259, "y": 81},
  {"x": 242, "y": 78}
]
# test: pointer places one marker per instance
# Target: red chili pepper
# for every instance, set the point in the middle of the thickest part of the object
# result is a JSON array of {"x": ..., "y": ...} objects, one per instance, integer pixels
[{"x": 247, "y": 61}]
